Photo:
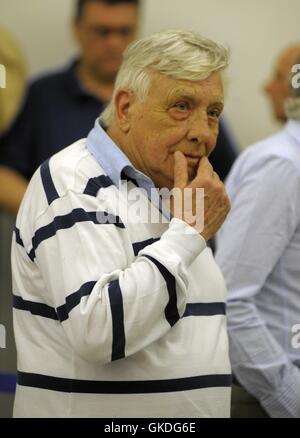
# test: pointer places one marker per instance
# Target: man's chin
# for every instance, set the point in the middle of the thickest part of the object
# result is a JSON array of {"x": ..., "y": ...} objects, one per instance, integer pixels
[
  {"x": 107, "y": 77},
  {"x": 106, "y": 74}
]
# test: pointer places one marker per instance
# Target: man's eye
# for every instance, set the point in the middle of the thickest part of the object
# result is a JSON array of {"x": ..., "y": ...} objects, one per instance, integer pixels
[
  {"x": 214, "y": 113},
  {"x": 182, "y": 106},
  {"x": 126, "y": 31}
]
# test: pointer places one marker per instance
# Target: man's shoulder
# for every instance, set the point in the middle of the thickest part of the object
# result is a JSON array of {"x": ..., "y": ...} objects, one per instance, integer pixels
[
  {"x": 59, "y": 186},
  {"x": 276, "y": 148},
  {"x": 47, "y": 82},
  {"x": 273, "y": 162},
  {"x": 69, "y": 170},
  {"x": 266, "y": 146},
  {"x": 73, "y": 167}
]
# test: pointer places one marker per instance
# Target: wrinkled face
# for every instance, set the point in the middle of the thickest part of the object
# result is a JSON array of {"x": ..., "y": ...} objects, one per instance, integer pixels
[
  {"x": 278, "y": 87},
  {"x": 176, "y": 115},
  {"x": 103, "y": 32}
]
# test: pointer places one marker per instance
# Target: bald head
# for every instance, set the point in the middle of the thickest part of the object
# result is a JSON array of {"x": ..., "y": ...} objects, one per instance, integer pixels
[
  {"x": 278, "y": 87},
  {"x": 295, "y": 79}
]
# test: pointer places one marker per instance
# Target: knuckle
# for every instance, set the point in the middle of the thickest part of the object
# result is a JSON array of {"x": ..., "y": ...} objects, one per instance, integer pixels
[
  {"x": 207, "y": 183},
  {"x": 226, "y": 204},
  {"x": 226, "y": 198},
  {"x": 219, "y": 189},
  {"x": 216, "y": 176}
]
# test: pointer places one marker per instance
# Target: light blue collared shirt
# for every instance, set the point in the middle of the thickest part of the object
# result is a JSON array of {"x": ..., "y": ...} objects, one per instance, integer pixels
[
  {"x": 115, "y": 163},
  {"x": 259, "y": 254}
]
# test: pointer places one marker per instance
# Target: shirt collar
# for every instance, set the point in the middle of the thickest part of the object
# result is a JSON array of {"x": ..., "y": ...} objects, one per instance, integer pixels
[
  {"x": 112, "y": 160},
  {"x": 293, "y": 128},
  {"x": 116, "y": 165}
]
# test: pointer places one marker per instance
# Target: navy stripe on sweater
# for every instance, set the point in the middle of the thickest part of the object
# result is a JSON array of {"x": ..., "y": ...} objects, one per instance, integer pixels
[
  {"x": 62, "y": 312},
  {"x": 95, "y": 184},
  {"x": 68, "y": 221},
  {"x": 171, "y": 311},
  {"x": 37, "y": 309},
  {"x": 18, "y": 237},
  {"x": 138, "y": 246},
  {"x": 73, "y": 300},
  {"x": 117, "y": 311},
  {"x": 49, "y": 187},
  {"x": 204, "y": 309},
  {"x": 127, "y": 387}
]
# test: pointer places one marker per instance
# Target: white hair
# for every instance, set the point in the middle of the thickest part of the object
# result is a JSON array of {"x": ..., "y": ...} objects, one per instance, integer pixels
[
  {"x": 292, "y": 103},
  {"x": 175, "y": 53}
]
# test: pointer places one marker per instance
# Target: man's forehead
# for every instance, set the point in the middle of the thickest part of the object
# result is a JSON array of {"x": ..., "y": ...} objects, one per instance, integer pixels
[
  {"x": 288, "y": 57},
  {"x": 115, "y": 14},
  {"x": 172, "y": 87}
]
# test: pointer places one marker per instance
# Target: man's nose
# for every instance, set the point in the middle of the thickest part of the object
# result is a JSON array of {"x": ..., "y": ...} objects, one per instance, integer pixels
[
  {"x": 115, "y": 40},
  {"x": 201, "y": 132}
]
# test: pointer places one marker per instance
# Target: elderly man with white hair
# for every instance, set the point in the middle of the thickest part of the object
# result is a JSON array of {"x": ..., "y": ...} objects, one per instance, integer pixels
[
  {"x": 116, "y": 317},
  {"x": 259, "y": 254}
]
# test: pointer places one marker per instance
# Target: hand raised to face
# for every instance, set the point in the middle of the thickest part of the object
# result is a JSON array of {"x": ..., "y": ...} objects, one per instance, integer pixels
[{"x": 216, "y": 203}]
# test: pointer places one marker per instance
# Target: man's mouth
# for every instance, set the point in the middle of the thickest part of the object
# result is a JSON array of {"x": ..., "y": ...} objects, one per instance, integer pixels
[{"x": 192, "y": 160}]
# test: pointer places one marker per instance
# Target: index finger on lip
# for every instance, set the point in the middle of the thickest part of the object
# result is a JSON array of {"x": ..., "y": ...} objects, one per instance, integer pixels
[
  {"x": 205, "y": 168},
  {"x": 180, "y": 170}
]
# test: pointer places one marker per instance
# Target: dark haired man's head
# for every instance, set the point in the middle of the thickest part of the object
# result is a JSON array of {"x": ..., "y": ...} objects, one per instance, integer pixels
[
  {"x": 103, "y": 30},
  {"x": 82, "y": 3}
]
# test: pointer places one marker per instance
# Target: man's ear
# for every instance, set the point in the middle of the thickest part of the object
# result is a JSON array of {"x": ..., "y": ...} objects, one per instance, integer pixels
[
  {"x": 78, "y": 35},
  {"x": 124, "y": 101}
]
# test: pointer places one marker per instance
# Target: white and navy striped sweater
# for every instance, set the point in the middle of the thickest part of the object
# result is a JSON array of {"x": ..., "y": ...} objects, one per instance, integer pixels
[{"x": 112, "y": 320}]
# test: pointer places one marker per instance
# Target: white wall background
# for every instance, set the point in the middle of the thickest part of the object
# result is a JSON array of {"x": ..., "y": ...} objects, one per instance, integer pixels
[{"x": 255, "y": 30}]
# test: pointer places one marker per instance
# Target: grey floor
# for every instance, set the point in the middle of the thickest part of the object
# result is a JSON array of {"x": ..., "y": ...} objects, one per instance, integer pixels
[{"x": 7, "y": 355}]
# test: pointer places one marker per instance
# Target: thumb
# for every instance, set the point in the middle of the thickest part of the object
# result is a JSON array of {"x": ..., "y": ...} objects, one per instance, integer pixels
[{"x": 181, "y": 176}]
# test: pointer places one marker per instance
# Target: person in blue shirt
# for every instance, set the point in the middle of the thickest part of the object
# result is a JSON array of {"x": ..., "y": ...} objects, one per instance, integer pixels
[
  {"x": 258, "y": 251},
  {"x": 62, "y": 107},
  {"x": 277, "y": 87}
]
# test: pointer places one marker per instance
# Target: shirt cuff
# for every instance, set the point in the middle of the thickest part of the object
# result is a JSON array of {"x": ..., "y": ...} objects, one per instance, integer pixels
[
  {"x": 184, "y": 241},
  {"x": 285, "y": 403}
]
